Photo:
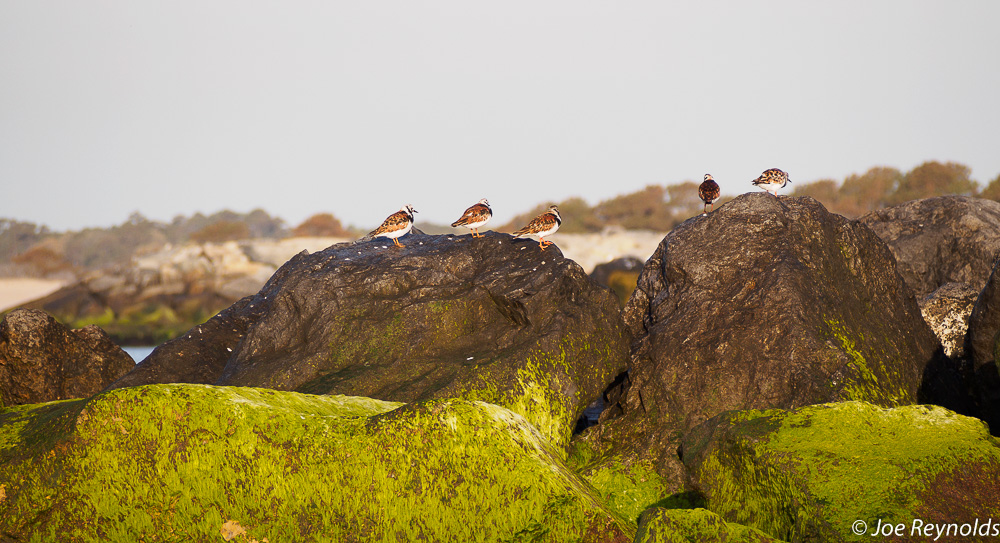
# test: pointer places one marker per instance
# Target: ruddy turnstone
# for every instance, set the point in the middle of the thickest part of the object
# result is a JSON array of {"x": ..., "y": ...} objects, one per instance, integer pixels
[
  {"x": 543, "y": 225},
  {"x": 474, "y": 217},
  {"x": 396, "y": 225},
  {"x": 772, "y": 180},
  {"x": 708, "y": 191}
]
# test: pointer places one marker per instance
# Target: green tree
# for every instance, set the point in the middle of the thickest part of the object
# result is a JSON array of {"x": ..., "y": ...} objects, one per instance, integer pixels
[
  {"x": 869, "y": 191},
  {"x": 645, "y": 209},
  {"x": 321, "y": 224},
  {"x": 992, "y": 191},
  {"x": 221, "y": 231},
  {"x": 17, "y": 237},
  {"x": 827, "y": 191},
  {"x": 934, "y": 179},
  {"x": 683, "y": 202}
]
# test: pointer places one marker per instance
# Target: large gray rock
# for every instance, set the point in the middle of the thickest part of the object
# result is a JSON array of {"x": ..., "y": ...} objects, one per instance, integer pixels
[
  {"x": 948, "y": 239},
  {"x": 494, "y": 318},
  {"x": 41, "y": 360},
  {"x": 767, "y": 302}
]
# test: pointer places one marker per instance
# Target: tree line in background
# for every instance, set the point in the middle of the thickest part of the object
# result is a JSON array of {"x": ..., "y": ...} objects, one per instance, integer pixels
[
  {"x": 883, "y": 187},
  {"x": 655, "y": 207},
  {"x": 661, "y": 208}
]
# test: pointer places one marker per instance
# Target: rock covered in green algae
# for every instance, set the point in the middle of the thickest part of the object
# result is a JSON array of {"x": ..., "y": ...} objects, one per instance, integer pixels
[
  {"x": 178, "y": 462},
  {"x": 493, "y": 319},
  {"x": 659, "y": 525},
  {"x": 810, "y": 473}
]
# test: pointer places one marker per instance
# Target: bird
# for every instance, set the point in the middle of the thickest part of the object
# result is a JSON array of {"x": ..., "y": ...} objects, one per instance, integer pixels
[
  {"x": 708, "y": 191},
  {"x": 543, "y": 225},
  {"x": 474, "y": 217},
  {"x": 772, "y": 179},
  {"x": 396, "y": 225}
]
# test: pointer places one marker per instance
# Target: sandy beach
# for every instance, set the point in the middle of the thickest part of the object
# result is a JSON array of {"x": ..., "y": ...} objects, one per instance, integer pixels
[{"x": 14, "y": 291}]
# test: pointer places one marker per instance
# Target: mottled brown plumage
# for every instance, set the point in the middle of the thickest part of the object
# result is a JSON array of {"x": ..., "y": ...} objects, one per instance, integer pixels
[
  {"x": 708, "y": 191},
  {"x": 396, "y": 225},
  {"x": 772, "y": 180},
  {"x": 543, "y": 225},
  {"x": 475, "y": 217}
]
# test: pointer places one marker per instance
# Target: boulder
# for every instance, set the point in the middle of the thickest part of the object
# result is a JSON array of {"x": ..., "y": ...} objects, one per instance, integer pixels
[
  {"x": 493, "y": 319},
  {"x": 947, "y": 239},
  {"x": 41, "y": 360},
  {"x": 982, "y": 346},
  {"x": 191, "y": 462},
  {"x": 947, "y": 312},
  {"x": 984, "y": 322},
  {"x": 835, "y": 471},
  {"x": 767, "y": 302},
  {"x": 620, "y": 275},
  {"x": 661, "y": 525}
]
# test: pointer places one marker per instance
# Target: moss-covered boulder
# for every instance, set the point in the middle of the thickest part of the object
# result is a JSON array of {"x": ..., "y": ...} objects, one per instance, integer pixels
[
  {"x": 196, "y": 462},
  {"x": 627, "y": 487},
  {"x": 493, "y": 318},
  {"x": 661, "y": 525},
  {"x": 827, "y": 472}
]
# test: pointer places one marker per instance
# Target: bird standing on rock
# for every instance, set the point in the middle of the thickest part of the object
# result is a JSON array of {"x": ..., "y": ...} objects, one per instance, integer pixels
[
  {"x": 773, "y": 179},
  {"x": 543, "y": 225},
  {"x": 396, "y": 225},
  {"x": 475, "y": 217},
  {"x": 708, "y": 191}
]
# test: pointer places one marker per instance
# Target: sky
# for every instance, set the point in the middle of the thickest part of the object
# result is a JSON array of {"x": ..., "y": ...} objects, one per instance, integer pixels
[{"x": 356, "y": 108}]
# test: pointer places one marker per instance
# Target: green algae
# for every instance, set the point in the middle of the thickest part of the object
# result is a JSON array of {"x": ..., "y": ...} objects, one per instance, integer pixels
[
  {"x": 874, "y": 379},
  {"x": 627, "y": 487},
  {"x": 659, "y": 525},
  {"x": 175, "y": 462},
  {"x": 809, "y": 473}
]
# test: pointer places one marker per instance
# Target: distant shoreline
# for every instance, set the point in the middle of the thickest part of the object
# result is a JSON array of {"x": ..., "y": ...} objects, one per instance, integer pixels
[{"x": 15, "y": 291}]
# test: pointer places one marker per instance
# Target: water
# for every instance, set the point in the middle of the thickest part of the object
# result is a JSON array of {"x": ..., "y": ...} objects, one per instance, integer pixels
[{"x": 139, "y": 353}]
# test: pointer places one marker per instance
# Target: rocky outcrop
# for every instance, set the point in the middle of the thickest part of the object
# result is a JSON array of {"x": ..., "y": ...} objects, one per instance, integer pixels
[
  {"x": 818, "y": 473},
  {"x": 493, "y": 318},
  {"x": 188, "y": 462},
  {"x": 982, "y": 347},
  {"x": 984, "y": 322},
  {"x": 948, "y": 239},
  {"x": 767, "y": 302},
  {"x": 41, "y": 360}
]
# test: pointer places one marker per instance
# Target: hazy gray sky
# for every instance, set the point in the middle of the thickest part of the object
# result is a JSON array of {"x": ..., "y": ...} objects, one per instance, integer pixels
[{"x": 356, "y": 108}]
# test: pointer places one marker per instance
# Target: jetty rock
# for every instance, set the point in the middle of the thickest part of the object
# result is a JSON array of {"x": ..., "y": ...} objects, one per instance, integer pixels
[
  {"x": 982, "y": 347},
  {"x": 42, "y": 360},
  {"x": 496, "y": 319},
  {"x": 947, "y": 239},
  {"x": 190, "y": 462},
  {"x": 842, "y": 471},
  {"x": 765, "y": 303}
]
